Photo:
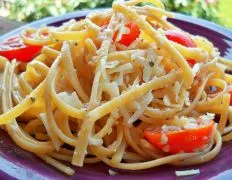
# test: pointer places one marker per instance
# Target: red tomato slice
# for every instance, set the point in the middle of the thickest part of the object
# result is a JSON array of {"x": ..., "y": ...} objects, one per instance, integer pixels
[
  {"x": 129, "y": 38},
  {"x": 14, "y": 48},
  {"x": 179, "y": 37},
  {"x": 191, "y": 62},
  {"x": 183, "y": 39},
  {"x": 184, "y": 140}
]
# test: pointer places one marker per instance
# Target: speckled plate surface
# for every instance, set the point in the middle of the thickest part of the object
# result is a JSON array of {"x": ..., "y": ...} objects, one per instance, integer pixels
[{"x": 16, "y": 163}]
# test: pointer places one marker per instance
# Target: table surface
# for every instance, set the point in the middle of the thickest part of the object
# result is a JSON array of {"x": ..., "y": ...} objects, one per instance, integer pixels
[{"x": 7, "y": 25}]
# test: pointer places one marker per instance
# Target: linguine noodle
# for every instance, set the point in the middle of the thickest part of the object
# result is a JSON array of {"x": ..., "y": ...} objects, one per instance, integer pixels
[{"x": 86, "y": 98}]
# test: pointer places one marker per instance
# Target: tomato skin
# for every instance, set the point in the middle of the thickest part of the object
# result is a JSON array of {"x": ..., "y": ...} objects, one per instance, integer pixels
[
  {"x": 191, "y": 62},
  {"x": 14, "y": 48},
  {"x": 180, "y": 38},
  {"x": 183, "y": 39},
  {"x": 129, "y": 38},
  {"x": 181, "y": 141}
]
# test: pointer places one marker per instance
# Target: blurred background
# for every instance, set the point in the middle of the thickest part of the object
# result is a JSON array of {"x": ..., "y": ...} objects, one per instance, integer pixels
[{"x": 218, "y": 11}]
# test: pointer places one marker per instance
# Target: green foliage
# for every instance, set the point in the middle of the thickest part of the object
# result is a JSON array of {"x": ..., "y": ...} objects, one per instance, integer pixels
[
  {"x": 225, "y": 7},
  {"x": 206, "y": 9},
  {"x": 30, "y": 10}
]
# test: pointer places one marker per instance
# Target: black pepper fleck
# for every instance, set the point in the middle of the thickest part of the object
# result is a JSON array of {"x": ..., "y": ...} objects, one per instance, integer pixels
[
  {"x": 151, "y": 63},
  {"x": 32, "y": 99}
]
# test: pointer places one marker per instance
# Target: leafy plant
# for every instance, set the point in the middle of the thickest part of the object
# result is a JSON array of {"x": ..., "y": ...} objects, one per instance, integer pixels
[
  {"x": 206, "y": 9},
  {"x": 30, "y": 10}
]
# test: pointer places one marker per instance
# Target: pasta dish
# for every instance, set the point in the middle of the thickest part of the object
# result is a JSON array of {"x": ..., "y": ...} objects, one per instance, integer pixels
[{"x": 125, "y": 87}]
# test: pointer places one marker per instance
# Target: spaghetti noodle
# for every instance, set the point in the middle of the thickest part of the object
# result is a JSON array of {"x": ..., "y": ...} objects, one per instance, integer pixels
[{"x": 116, "y": 87}]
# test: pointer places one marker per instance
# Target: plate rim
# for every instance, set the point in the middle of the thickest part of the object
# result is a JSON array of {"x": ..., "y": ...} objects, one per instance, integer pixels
[{"x": 181, "y": 17}]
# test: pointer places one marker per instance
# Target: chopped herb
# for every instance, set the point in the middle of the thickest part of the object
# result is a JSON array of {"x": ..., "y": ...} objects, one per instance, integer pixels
[
  {"x": 137, "y": 123},
  {"x": 228, "y": 71},
  {"x": 151, "y": 63},
  {"x": 32, "y": 99}
]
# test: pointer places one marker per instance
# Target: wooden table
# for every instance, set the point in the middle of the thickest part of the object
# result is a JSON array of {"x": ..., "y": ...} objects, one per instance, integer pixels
[{"x": 6, "y": 25}]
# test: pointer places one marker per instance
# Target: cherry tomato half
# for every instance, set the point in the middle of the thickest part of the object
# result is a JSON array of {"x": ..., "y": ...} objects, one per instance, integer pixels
[
  {"x": 186, "y": 140},
  {"x": 14, "y": 48},
  {"x": 191, "y": 62},
  {"x": 183, "y": 39},
  {"x": 179, "y": 37},
  {"x": 129, "y": 38}
]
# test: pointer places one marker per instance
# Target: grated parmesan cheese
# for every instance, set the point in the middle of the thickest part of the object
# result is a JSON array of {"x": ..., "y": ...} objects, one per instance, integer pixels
[
  {"x": 137, "y": 54},
  {"x": 139, "y": 57},
  {"x": 177, "y": 87},
  {"x": 112, "y": 48},
  {"x": 121, "y": 68},
  {"x": 71, "y": 99},
  {"x": 111, "y": 88},
  {"x": 119, "y": 79},
  {"x": 115, "y": 114},
  {"x": 160, "y": 39},
  {"x": 95, "y": 141},
  {"x": 3, "y": 88},
  {"x": 166, "y": 128},
  {"x": 195, "y": 69},
  {"x": 15, "y": 127},
  {"x": 112, "y": 64},
  {"x": 125, "y": 114},
  {"x": 142, "y": 104},
  {"x": 159, "y": 71},
  {"x": 103, "y": 69},
  {"x": 191, "y": 126},
  {"x": 192, "y": 120},
  {"x": 207, "y": 117},
  {"x": 151, "y": 55},
  {"x": 122, "y": 30},
  {"x": 164, "y": 139},
  {"x": 187, "y": 172},
  {"x": 112, "y": 173},
  {"x": 147, "y": 72},
  {"x": 135, "y": 83},
  {"x": 186, "y": 98},
  {"x": 135, "y": 43},
  {"x": 166, "y": 100}
]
